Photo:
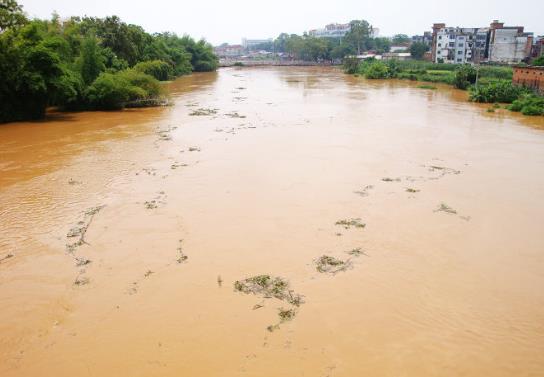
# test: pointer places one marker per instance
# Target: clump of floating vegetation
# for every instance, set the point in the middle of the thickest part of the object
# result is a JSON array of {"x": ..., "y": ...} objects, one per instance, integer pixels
[
  {"x": 151, "y": 204},
  {"x": 79, "y": 231},
  {"x": 331, "y": 265},
  {"x": 268, "y": 286},
  {"x": 235, "y": 114},
  {"x": 182, "y": 257},
  {"x": 364, "y": 191},
  {"x": 412, "y": 190},
  {"x": 445, "y": 208},
  {"x": 203, "y": 112},
  {"x": 194, "y": 149},
  {"x": 387, "y": 179},
  {"x": 81, "y": 281},
  {"x": 356, "y": 252},
  {"x": 348, "y": 223},
  {"x": 177, "y": 165}
]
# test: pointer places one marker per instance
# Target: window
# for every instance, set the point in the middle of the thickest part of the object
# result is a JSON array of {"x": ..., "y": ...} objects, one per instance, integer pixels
[
  {"x": 459, "y": 60},
  {"x": 440, "y": 45},
  {"x": 460, "y": 45},
  {"x": 459, "y": 52},
  {"x": 439, "y": 37},
  {"x": 452, "y": 44}
]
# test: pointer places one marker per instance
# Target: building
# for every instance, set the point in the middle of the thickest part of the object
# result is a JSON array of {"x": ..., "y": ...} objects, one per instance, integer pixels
[
  {"x": 496, "y": 43},
  {"x": 426, "y": 38},
  {"x": 508, "y": 44},
  {"x": 530, "y": 77},
  {"x": 396, "y": 56},
  {"x": 459, "y": 45},
  {"x": 249, "y": 43},
  {"x": 338, "y": 31},
  {"x": 331, "y": 31},
  {"x": 229, "y": 51},
  {"x": 538, "y": 47}
]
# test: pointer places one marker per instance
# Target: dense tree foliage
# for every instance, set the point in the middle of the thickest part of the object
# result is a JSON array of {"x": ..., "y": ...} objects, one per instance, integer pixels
[
  {"x": 418, "y": 49},
  {"x": 401, "y": 39},
  {"x": 11, "y": 14},
  {"x": 86, "y": 63},
  {"x": 307, "y": 47}
]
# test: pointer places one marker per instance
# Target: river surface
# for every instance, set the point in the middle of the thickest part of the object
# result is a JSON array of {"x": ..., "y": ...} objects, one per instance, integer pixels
[{"x": 449, "y": 281}]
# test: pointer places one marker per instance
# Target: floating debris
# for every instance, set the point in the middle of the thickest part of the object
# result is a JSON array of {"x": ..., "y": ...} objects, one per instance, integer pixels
[
  {"x": 219, "y": 280},
  {"x": 331, "y": 265},
  {"x": 445, "y": 208},
  {"x": 148, "y": 273},
  {"x": 81, "y": 281},
  {"x": 152, "y": 204},
  {"x": 194, "y": 149},
  {"x": 73, "y": 182},
  {"x": 348, "y": 223},
  {"x": 387, "y": 179},
  {"x": 412, "y": 190},
  {"x": 6, "y": 257},
  {"x": 81, "y": 228},
  {"x": 177, "y": 165},
  {"x": 235, "y": 114},
  {"x": 203, "y": 112},
  {"x": 182, "y": 258},
  {"x": 356, "y": 252},
  {"x": 286, "y": 314},
  {"x": 82, "y": 261},
  {"x": 267, "y": 286},
  {"x": 364, "y": 191}
]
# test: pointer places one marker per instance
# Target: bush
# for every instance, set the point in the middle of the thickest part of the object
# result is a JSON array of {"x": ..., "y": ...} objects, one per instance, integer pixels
[
  {"x": 113, "y": 91},
  {"x": 159, "y": 69},
  {"x": 500, "y": 91},
  {"x": 465, "y": 75},
  {"x": 528, "y": 104},
  {"x": 377, "y": 70}
]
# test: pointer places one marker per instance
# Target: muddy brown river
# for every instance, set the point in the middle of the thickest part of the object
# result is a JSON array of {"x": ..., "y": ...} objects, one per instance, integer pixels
[{"x": 122, "y": 233}]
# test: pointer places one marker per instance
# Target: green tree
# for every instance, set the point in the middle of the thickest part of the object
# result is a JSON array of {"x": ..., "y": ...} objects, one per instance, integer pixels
[
  {"x": 401, "y": 39},
  {"x": 11, "y": 14},
  {"x": 358, "y": 34},
  {"x": 418, "y": 50},
  {"x": 91, "y": 61},
  {"x": 465, "y": 75}
]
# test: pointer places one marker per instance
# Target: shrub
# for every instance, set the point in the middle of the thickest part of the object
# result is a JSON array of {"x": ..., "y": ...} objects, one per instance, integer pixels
[
  {"x": 113, "y": 91},
  {"x": 159, "y": 69},
  {"x": 465, "y": 75},
  {"x": 500, "y": 91},
  {"x": 377, "y": 70},
  {"x": 528, "y": 104}
]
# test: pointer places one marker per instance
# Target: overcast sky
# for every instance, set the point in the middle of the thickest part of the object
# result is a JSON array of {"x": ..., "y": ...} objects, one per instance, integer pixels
[{"x": 230, "y": 20}]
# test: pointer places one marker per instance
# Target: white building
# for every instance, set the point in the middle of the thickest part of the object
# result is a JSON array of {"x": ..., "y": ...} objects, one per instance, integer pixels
[
  {"x": 460, "y": 45},
  {"x": 509, "y": 45}
]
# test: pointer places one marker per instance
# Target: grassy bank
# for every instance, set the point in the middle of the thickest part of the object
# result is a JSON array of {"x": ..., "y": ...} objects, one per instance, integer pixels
[{"x": 487, "y": 84}]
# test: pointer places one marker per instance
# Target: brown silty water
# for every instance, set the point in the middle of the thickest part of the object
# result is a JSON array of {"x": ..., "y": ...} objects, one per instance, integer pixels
[{"x": 449, "y": 281}]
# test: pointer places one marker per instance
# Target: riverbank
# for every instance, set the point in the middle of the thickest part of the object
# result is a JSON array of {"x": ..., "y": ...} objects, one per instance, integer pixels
[{"x": 486, "y": 84}]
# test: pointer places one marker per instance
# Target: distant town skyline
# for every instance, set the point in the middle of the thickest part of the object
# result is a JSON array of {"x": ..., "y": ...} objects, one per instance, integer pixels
[{"x": 229, "y": 22}]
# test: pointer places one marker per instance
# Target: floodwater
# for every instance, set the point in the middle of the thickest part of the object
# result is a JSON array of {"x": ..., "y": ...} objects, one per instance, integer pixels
[{"x": 254, "y": 186}]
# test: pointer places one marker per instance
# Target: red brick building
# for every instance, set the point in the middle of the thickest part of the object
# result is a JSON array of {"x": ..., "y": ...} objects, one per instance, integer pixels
[{"x": 531, "y": 77}]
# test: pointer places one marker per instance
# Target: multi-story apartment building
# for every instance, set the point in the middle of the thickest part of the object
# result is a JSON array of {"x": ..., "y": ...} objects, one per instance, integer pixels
[
  {"x": 508, "y": 44},
  {"x": 459, "y": 45},
  {"x": 331, "y": 31},
  {"x": 338, "y": 31},
  {"x": 496, "y": 43},
  {"x": 426, "y": 38}
]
